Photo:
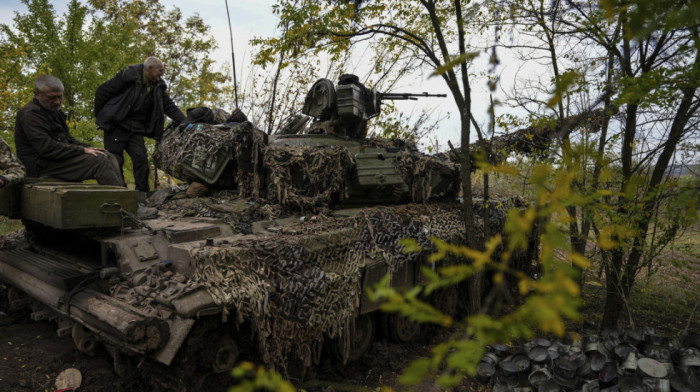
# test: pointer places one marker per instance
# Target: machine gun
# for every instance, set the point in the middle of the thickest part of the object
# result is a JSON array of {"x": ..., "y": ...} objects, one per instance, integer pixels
[
  {"x": 345, "y": 109},
  {"x": 406, "y": 96}
]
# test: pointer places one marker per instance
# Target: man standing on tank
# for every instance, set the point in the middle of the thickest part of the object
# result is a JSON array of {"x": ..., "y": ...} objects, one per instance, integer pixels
[
  {"x": 46, "y": 147},
  {"x": 130, "y": 106}
]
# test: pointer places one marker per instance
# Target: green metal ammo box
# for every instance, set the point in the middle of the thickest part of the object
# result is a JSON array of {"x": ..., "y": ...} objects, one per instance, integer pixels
[
  {"x": 77, "y": 206},
  {"x": 11, "y": 196}
]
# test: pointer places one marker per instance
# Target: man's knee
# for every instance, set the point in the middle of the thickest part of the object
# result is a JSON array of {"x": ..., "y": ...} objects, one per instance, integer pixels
[
  {"x": 106, "y": 162},
  {"x": 113, "y": 160}
]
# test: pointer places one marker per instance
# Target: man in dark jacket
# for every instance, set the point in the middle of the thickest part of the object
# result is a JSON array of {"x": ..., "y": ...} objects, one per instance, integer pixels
[
  {"x": 46, "y": 147},
  {"x": 130, "y": 106}
]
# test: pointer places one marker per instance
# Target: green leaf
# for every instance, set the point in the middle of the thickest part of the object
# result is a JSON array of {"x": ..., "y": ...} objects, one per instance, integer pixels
[
  {"x": 410, "y": 245},
  {"x": 455, "y": 61},
  {"x": 416, "y": 370}
]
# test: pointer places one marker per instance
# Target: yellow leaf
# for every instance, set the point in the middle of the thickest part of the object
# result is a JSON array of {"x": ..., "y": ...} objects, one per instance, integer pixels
[
  {"x": 523, "y": 286},
  {"x": 455, "y": 61},
  {"x": 579, "y": 260},
  {"x": 571, "y": 287}
]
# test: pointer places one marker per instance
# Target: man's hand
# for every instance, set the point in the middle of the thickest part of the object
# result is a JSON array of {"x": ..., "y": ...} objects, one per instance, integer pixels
[
  {"x": 2, "y": 182},
  {"x": 95, "y": 151}
]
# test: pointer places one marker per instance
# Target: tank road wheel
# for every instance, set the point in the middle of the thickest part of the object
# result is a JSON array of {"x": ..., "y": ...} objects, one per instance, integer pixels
[
  {"x": 225, "y": 356},
  {"x": 296, "y": 370},
  {"x": 122, "y": 363},
  {"x": 84, "y": 340},
  {"x": 13, "y": 304},
  {"x": 360, "y": 340},
  {"x": 446, "y": 300},
  {"x": 16, "y": 299},
  {"x": 398, "y": 328}
]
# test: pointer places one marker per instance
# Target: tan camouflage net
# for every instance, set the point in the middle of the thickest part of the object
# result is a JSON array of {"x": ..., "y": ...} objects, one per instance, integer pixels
[
  {"x": 307, "y": 177},
  {"x": 200, "y": 145},
  {"x": 13, "y": 240},
  {"x": 304, "y": 281}
]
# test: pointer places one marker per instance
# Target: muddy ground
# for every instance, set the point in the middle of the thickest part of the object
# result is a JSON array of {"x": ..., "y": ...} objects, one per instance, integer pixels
[{"x": 33, "y": 355}]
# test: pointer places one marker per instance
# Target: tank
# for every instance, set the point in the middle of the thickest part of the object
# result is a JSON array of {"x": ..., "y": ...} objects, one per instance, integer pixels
[{"x": 269, "y": 263}]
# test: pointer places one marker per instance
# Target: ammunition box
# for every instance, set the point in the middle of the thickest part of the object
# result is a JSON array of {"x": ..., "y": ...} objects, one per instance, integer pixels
[
  {"x": 207, "y": 168},
  {"x": 11, "y": 196},
  {"x": 377, "y": 169},
  {"x": 77, "y": 206},
  {"x": 350, "y": 103}
]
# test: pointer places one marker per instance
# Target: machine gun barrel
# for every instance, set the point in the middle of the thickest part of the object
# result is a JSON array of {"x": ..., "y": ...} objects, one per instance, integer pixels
[{"x": 407, "y": 96}]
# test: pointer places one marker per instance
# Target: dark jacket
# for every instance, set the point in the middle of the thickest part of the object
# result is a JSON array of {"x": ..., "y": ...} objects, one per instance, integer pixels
[
  {"x": 42, "y": 136},
  {"x": 115, "y": 98}
]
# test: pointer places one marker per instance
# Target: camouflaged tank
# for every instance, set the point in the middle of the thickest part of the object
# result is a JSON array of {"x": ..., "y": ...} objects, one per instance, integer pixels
[{"x": 270, "y": 266}]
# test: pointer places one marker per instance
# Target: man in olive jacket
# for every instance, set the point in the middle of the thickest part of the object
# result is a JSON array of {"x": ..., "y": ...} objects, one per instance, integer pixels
[
  {"x": 130, "y": 106},
  {"x": 46, "y": 147}
]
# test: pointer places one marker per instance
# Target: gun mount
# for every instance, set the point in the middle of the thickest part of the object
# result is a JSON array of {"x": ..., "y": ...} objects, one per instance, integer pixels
[{"x": 345, "y": 109}]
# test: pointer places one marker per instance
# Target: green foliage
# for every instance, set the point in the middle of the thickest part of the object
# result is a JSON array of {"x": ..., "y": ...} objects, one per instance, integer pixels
[
  {"x": 562, "y": 85},
  {"x": 547, "y": 301},
  {"x": 7, "y": 225},
  {"x": 251, "y": 379}
]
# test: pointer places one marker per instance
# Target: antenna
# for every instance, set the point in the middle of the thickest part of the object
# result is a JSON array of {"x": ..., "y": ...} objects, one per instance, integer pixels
[{"x": 233, "y": 57}]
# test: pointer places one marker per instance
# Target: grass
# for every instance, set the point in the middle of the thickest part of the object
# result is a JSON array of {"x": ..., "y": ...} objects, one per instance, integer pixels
[{"x": 666, "y": 298}]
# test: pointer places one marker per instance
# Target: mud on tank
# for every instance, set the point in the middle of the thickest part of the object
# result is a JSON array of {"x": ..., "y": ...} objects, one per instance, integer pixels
[{"x": 270, "y": 267}]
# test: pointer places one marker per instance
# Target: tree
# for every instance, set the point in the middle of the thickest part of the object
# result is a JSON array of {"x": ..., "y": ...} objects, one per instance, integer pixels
[
  {"x": 648, "y": 57},
  {"x": 637, "y": 59}
]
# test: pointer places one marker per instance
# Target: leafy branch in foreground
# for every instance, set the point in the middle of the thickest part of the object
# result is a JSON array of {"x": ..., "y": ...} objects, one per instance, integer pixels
[
  {"x": 547, "y": 301},
  {"x": 251, "y": 378}
]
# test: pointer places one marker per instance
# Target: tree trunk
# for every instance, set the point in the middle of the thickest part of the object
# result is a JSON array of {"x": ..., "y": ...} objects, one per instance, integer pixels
[{"x": 623, "y": 271}]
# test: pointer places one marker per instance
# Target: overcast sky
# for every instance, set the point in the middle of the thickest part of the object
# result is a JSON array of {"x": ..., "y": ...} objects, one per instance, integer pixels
[{"x": 255, "y": 18}]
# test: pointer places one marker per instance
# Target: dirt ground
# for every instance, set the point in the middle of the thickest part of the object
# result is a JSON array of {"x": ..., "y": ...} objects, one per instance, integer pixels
[{"x": 33, "y": 355}]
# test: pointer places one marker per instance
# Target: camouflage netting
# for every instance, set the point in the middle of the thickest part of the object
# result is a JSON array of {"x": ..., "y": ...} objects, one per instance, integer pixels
[
  {"x": 306, "y": 177},
  {"x": 198, "y": 145},
  {"x": 299, "y": 177},
  {"x": 304, "y": 281},
  {"x": 13, "y": 240}
]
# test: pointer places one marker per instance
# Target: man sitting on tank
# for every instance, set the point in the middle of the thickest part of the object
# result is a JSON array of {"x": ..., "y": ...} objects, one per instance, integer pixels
[
  {"x": 46, "y": 147},
  {"x": 13, "y": 171}
]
